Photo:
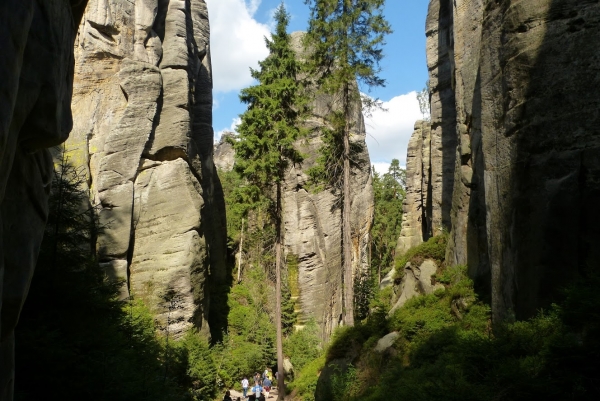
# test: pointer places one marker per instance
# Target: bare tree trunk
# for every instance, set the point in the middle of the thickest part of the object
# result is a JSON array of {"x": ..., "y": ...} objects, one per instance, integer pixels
[
  {"x": 346, "y": 229},
  {"x": 347, "y": 235},
  {"x": 280, "y": 372},
  {"x": 239, "y": 275}
]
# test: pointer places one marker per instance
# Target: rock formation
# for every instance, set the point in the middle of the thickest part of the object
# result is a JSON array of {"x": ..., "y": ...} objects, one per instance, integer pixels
[
  {"x": 313, "y": 231},
  {"x": 312, "y": 219},
  {"x": 36, "y": 66},
  {"x": 143, "y": 130},
  {"x": 517, "y": 120},
  {"x": 224, "y": 153},
  {"x": 417, "y": 206},
  {"x": 416, "y": 280}
]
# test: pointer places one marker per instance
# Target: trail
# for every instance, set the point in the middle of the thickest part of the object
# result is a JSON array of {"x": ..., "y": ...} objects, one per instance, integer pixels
[{"x": 272, "y": 395}]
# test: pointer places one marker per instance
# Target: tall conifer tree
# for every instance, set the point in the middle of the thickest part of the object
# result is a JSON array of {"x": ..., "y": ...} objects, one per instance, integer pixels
[
  {"x": 265, "y": 146},
  {"x": 345, "y": 39}
]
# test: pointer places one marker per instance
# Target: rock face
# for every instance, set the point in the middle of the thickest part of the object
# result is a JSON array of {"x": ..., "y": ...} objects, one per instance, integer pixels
[
  {"x": 36, "y": 67},
  {"x": 417, "y": 218},
  {"x": 143, "y": 129},
  {"x": 312, "y": 219},
  {"x": 511, "y": 94},
  {"x": 416, "y": 280},
  {"x": 313, "y": 234},
  {"x": 224, "y": 154}
]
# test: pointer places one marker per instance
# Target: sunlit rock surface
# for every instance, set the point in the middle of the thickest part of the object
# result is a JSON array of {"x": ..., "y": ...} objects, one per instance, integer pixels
[{"x": 143, "y": 132}]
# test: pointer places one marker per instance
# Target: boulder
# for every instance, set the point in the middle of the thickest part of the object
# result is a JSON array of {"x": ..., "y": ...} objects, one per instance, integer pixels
[
  {"x": 388, "y": 280},
  {"x": 416, "y": 281},
  {"x": 386, "y": 342}
]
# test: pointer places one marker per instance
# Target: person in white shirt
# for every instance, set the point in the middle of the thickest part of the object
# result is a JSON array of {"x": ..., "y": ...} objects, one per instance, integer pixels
[{"x": 245, "y": 385}]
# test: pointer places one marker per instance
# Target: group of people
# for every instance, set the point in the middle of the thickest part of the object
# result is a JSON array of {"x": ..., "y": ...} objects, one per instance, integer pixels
[{"x": 259, "y": 392}]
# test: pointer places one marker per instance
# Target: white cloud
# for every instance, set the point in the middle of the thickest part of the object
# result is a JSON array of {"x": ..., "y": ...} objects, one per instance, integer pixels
[
  {"x": 232, "y": 128},
  {"x": 388, "y": 132},
  {"x": 381, "y": 167},
  {"x": 237, "y": 42}
]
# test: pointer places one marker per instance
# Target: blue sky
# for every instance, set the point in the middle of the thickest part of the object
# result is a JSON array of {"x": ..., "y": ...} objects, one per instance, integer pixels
[{"x": 237, "y": 31}]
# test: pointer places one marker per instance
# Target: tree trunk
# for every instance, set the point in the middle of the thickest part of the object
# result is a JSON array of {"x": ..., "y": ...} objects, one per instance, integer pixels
[
  {"x": 346, "y": 230},
  {"x": 280, "y": 372},
  {"x": 239, "y": 275}
]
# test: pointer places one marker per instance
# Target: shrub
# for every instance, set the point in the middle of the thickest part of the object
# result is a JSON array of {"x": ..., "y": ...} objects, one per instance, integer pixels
[
  {"x": 305, "y": 384},
  {"x": 303, "y": 345}
]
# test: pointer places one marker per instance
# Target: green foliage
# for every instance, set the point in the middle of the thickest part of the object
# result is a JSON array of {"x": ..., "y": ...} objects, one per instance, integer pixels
[
  {"x": 74, "y": 339},
  {"x": 303, "y": 345},
  {"x": 346, "y": 39},
  {"x": 201, "y": 368},
  {"x": 249, "y": 345},
  {"x": 270, "y": 126},
  {"x": 305, "y": 384},
  {"x": 344, "y": 383},
  {"x": 446, "y": 349},
  {"x": 434, "y": 248},
  {"x": 234, "y": 207},
  {"x": 389, "y": 193}
]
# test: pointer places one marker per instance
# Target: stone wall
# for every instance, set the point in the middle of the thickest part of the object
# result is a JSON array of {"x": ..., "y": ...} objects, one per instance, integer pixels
[{"x": 143, "y": 130}]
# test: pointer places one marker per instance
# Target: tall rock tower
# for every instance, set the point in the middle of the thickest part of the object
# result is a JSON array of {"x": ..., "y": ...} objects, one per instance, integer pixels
[
  {"x": 312, "y": 219},
  {"x": 142, "y": 109},
  {"x": 514, "y": 120}
]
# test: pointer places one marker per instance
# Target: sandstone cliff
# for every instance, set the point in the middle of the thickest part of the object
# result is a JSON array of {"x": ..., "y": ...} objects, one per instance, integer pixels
[
  {"x": 312, "y": 220},
  {"x": 143, "y": 130},
  {"x": 36, "y": 39},
  {"x": 517, "y": 120},
  {"x": 417, "y": 206}
]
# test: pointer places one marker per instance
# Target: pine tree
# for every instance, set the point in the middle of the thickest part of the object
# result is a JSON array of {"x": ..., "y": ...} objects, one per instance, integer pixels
[
  {"x": 345, "y": 39},
  {"x": 265, "y": 146},
  {"x": 389, "y": 193}
]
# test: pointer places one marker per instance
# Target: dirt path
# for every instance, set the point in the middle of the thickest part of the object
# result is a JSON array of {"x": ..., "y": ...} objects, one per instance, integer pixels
[{"x": 235, "y": 394}]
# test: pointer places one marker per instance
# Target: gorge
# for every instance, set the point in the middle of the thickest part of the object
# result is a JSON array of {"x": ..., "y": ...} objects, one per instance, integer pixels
[{"x": 502, "y": 185}]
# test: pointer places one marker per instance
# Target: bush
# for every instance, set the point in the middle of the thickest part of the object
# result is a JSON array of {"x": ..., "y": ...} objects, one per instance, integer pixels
[
  {"x": 305, "y": 384},
  {"x": 303, "y": 345},
  {"x": 447, "y": 351}
]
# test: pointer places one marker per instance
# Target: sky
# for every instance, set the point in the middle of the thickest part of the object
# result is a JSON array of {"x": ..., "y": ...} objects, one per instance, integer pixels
[{"x": 238, "y": 29}]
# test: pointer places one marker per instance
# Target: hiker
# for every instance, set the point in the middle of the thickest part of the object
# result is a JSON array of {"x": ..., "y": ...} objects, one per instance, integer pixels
[
  {"x": 256, "y": 391},
  {"x": 245, "y": 385},
  {"x": 227, "y": 396},
  {"x": 267, "y": 386},
  {"x": 257, "y": 377}
]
